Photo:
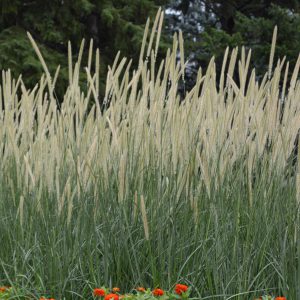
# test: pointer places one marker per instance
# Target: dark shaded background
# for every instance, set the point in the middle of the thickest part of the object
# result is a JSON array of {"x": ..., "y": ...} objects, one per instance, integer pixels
[{"x": 208, "y": 27}]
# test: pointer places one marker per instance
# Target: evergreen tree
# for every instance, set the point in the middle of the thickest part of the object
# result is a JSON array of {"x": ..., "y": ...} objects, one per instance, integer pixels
[
  {"x": 113, "y": 24},
  {"x": 209, "y": 26}
]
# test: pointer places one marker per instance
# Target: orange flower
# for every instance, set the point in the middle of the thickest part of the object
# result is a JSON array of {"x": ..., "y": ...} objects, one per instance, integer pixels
[
  {"x": 99, "y": 292},
  {"x": 46, "y": 298},
  {"x": 180, "y": 288},
  {"x": 116, "y": 289},
  {"x": 280, "y": 298},
  {"x": 157, "y": 292},
  {"x": 4, "y": 289},
  {"x": 111, "y": 296},
  {"x": 141, "y": 289}
]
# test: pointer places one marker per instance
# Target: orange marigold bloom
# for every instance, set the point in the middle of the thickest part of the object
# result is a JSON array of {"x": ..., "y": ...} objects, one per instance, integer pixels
[
  {"x": 111, "y": 297},
  {"x": 157, "y": 292},
  {"x": 141, "y": 289},
  {"x": 180, "y": 288},
  {"x": 3, "y": 288},
  {"x": 99, "y": 292},
  {"x": 280, "y": 298},
  {"x": 116, "y": 289},
  {"x": 47, "y": 299}
]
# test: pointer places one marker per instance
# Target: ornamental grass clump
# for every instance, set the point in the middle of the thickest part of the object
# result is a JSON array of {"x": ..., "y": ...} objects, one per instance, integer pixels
[{"x": 149, "y": 185}]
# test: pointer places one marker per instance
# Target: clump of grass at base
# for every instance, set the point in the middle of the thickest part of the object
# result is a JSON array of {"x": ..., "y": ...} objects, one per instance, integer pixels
[{"x": 145, "y": 188}]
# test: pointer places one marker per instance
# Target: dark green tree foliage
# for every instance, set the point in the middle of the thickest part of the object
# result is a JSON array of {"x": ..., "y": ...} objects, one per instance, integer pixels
[
  {"x": 209, "y": 26},
  {"x": 256, "y": 33},
  {"x": 113, "y": 24}
]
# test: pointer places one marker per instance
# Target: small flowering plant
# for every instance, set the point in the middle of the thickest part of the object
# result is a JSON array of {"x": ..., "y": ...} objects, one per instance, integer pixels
[
  {"x": 268, "y": 297},
  {"x": 5, "y": 292},
  {"x": 8, "y": 292},
  {"x": 180, "y": 291}
]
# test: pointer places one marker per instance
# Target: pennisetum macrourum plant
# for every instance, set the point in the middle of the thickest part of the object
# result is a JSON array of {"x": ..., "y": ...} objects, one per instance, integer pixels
[{"x": 146, "y": 188}]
